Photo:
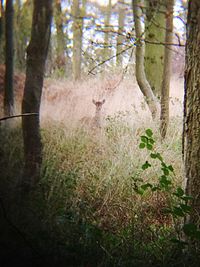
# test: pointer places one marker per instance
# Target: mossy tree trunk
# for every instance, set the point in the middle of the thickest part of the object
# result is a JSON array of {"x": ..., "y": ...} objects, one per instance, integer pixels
[
  {"x": 36, "y": 57},
  {"x": 154, "y": 34},
  {"x": 120, "y": 36},
  {"x": 192, "y": 114},
  {"x": 77, "y": 39},
  {"x": 140, "y": 51},
  {"x": 9, "y": 52},
  {"x": 164, "y": 116}
]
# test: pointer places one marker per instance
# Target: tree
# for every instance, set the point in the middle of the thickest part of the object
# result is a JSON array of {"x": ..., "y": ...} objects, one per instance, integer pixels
[
  {"x": 164, "y": 116},
  {"x": 61, "y": 44},
  {"x": 191, "y": 132},
  {"x": 154, "y": 34},
  {"x": 140, "y": 50},
  {"x": 107, "y": 30},
  {"x": 77, "y": 39},
  {"x": 36, "y": 57},
  {"x": 120, "y": 37},
  {"x": 8, "y": 93}
]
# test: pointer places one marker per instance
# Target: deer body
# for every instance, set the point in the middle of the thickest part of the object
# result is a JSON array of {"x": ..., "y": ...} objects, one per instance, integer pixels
[{"x": 96, "y": 121}]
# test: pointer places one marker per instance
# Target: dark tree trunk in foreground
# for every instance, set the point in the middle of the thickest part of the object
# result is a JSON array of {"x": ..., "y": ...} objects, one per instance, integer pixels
[
  {"x": 164, "y": 116},
  {"x": 36, "y": 57},
  {"x": 192, "y": 112},
  {"x": 8, "y": 94}
]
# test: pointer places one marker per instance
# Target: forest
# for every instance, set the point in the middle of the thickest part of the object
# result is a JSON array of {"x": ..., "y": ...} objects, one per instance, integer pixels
[{"x": 100, "y": 133}]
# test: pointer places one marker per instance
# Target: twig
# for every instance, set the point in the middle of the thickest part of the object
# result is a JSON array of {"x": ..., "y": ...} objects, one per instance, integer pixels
[{"x": 19, "y": 115}]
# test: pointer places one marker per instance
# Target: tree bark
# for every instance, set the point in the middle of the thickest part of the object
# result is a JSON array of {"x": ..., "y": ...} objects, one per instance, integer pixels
[
  {"x": 77, "y": 39},
  {"x": 191, "y": 132},
  {"x": 140, "y": 51},
  {"x": 164, "y": 116},
  {"x": 60, "y": 58},
  {"x": 36, "y": 57},
  {"x": 9, "y": 51},
  {"x": 107, "y": 30},
  {"x": 120, "y": 37},
  {"x": 154, "y": 53}
]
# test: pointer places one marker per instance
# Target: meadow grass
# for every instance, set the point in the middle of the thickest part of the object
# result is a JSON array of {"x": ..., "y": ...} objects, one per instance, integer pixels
[{"x": 86, "y": 202}]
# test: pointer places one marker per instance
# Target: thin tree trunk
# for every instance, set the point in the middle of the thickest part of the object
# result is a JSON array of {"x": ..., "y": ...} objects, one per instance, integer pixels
[
  {"x": 107, "y": 30},
  {"x": 120, "y": 37},
  {"x": 191, "y": 133},
  {"x": 164, "y": 116},
  {"x": 77, "y": 39},
  {"x": 61, "y": 59},
  {"x": 9, "y": 95},
  {"x": 154, "y": 53},
  {"x": 36, "y": 57},
  {"x": 140, "y": 51}
]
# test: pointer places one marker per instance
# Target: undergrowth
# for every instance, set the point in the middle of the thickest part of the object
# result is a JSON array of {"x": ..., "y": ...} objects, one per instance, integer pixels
[{"x": 86, "y": 210}]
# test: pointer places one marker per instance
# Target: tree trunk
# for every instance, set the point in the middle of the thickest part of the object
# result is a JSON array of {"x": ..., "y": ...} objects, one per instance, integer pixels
[
  {"x": 77, "y": 39},
  {"x": 36, "y": 57},
  {"x": 61, "y": 44},
  {"x": 107, "y": 30},
  {"x": 154, "y": 53},
  {"x": 9, "y": 95},
  {"x": 164, "y": 116},
  {"x": 140, "y": 50},
  {"x": 120, "y": 37},
  {"x": 191, "y": 131}
]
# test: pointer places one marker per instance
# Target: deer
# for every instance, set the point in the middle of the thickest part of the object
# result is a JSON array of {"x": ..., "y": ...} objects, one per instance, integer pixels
[{"x": 96, "y": 121}]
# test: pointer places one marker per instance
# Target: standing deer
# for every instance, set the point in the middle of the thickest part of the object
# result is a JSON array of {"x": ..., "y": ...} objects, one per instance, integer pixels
[{"x": 96, "y": 121}]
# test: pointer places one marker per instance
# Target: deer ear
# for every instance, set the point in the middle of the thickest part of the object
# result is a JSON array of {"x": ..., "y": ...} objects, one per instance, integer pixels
[
  {"x": 93, "y": 101},
  {"x": 103, "y": 101}
]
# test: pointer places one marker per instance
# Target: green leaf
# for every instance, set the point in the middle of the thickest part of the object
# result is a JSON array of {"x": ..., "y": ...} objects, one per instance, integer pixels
[
  {"x": 144, "y": 139},
  {"x": 186, "y": 197},
  {"x": 165, "y": 171},
  {"x": 149, "y": 147},
  {"x": 146, "y": 165},
  {"x": 155, "y": 188},
  {"x": 151, "y": 141},
  {"x": 190, "y": 229},
  {"x": 146, "y": 186},
  {"x": 179, "y": 192},
  {"x": 153, "y": 155},
  {"x": 142, "y": 145},
  {"x": 178, "y": 212},
  {"x": 164, "y": 181},
  {"x": 186, "y": 208},
  {"x": 149, "y": 132},
  {"x": 180, "y": 243},
  {"x": 170, "y": 168}
]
